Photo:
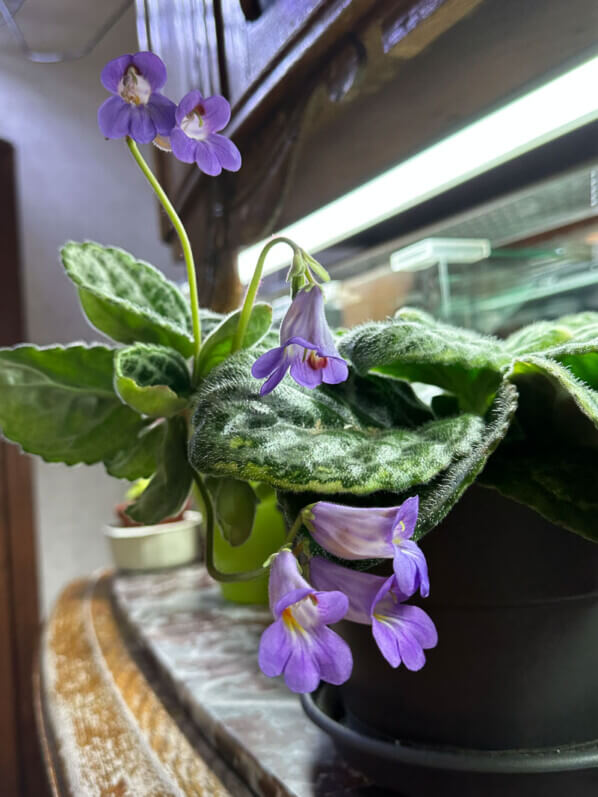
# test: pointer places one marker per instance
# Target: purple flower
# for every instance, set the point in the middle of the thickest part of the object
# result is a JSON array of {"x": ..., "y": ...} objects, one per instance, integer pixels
[
  {"x": 306, "y": 347},
  {"x": 195, "y": 137},
  {"x": 373, "y": 533},
  {"x": 402, "y": 632},
  {"x": 299, "y": 643},
  {"x": 137, "y": 108}
]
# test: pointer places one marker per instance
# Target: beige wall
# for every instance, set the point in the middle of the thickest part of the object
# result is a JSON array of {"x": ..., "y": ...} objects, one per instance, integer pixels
[{"x": 72, "y": 184}]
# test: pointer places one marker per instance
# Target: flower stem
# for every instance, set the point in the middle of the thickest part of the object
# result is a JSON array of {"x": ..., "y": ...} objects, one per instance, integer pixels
[
  {"x": 253, "y": 289},
  {"x": 185, "y": 244}
]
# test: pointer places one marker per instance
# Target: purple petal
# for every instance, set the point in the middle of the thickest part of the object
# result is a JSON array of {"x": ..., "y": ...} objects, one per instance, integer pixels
[
  {"x": 206, "y": 159},
  {"x": 292, "y": 597},
  {"x": 301, "y": 673},
  {"x": 113, "y": 117},
  {"x": 305, "y": 319},
  {"x": 216, "y": 114},
  {"x": 387, "y": 642},
  {"x": 332, "y": 606},
  {"x": 284, "y": 578},
  {"x": 411, "y": 569},
  {"x": 189, "y": 102},
  {"x": 333, "y": 657},
  {"x": 267, "y": 362},
  {"x": 112, "y": 73},
  {"x": 335, "y": 371},
  {"x": 419, "y": 625},
  {"x": 411, "y": 652},
  {"x": 183, "y": 147},
  {"x": 141, "y": 126},
  {"x": 352, "y": 532},
  {"x": 274, "y": 650},
  {"x": 162, "y": 112},
  {"x": 273, "y": 381},
  {"x": 405, "y": 570},
  {"x": 226, "y": 152},
  {"x": 152, "y": 68},
  {"x": 406, "y": 518},
  {"x": 304, "y": 374},
  {"x": 360, "y": 588}
]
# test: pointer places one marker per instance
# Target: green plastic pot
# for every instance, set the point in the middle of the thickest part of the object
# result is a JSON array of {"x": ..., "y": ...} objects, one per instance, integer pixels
[{"x": 267, "y": 536}]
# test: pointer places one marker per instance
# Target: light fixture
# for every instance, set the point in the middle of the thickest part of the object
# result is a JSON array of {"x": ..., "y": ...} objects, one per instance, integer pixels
[{"x": 562, "y": 105}]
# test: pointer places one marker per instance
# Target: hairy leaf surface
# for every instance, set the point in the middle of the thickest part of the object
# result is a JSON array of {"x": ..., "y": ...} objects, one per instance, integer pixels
[
  {"x": 416, "y": 347},
  {"x": 154, "y": 380},
  {"x": 127, "y": 299},
  {"x": 297, "y": 439}
]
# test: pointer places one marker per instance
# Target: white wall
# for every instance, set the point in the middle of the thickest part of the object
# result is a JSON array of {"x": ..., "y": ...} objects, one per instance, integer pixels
[{"x": 72, "y": 185}]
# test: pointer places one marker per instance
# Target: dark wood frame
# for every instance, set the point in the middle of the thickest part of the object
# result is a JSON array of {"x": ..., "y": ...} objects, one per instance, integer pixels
[
  {"x": 410, "y": 71},
  {"x": 21, "y": 772}
]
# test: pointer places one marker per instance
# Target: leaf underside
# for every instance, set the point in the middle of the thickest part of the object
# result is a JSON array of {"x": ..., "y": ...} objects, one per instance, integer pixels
[{"x": 59, "y": 403}]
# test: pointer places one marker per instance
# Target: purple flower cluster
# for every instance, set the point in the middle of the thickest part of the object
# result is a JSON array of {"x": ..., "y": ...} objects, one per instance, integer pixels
[
  {"x": 306, "y": 347},
  {"x": 137, "y": 109},
  {"x": 299, "y": 642}
]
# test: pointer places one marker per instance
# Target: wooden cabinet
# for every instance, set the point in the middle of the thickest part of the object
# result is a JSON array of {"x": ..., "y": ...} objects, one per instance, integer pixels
[{"x": 328, "y": 93}]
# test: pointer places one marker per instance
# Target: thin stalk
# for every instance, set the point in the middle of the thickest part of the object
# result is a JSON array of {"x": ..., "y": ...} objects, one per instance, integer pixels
[
  {"x": 253, "y": 289},
  {"x": 185, "y": 245}
]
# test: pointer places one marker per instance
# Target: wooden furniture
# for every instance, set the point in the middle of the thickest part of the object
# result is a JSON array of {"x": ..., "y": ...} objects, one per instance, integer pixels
[
  {"x": 328, "y": 93},
  {"x": 149, "y": 685},
  {"x": 20, "y": 767}
]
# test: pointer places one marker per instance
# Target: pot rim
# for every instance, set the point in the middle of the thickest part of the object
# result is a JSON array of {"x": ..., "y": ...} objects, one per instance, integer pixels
[
  {"x": 190, "y": 519},
  {"x": 523, "y": 761}
]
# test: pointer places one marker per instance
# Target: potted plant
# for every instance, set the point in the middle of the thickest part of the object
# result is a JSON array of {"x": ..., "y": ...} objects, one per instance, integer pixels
[{"x": 501, "y": 466}]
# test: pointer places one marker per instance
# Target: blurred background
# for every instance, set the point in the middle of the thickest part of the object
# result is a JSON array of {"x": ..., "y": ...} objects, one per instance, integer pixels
[{"x": 440, "y": 153}]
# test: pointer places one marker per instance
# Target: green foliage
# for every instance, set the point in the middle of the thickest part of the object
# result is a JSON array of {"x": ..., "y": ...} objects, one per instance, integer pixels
[
  {"x": 59, "y": 403},
  {"x": 154, "y": 380},
  {"x": 138, "y": 459},
  {"x": 543, "y": 335},
  {"x": 297, "y": 439},
  {"x": 169, "y": 488},
  {"x": 218, "y": 344},
  {"x": 416, "y": 347},
  {"x": 559, "y": 483},
  {"x": 235, "y": 504},
  {"x": 127, "y": 299}
]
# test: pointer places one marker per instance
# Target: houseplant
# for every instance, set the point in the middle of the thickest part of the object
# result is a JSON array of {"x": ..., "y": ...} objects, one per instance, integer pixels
[{"x": 364, "y": 470}]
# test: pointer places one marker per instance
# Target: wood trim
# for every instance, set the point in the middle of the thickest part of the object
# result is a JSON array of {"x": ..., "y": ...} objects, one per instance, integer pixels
[{"x": 20, "y": 763}]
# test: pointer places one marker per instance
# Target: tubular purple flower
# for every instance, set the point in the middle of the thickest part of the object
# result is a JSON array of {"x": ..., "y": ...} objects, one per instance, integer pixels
[
  {"x": 299, "y": 642},
  {"x": 136, "y": 109},
  {"x": 306, "y": 347},
  {"x": 402, "y": 632},
  {"x": 354, "y": 533},
  {"x": 195, "y": 138}
]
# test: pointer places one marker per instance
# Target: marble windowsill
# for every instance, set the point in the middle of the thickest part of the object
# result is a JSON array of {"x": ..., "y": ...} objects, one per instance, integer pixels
[{"x": 207, "y": 649}]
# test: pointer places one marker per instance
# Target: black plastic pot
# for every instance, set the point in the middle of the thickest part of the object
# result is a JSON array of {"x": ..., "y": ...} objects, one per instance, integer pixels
[{"x": 515, "y": 601}]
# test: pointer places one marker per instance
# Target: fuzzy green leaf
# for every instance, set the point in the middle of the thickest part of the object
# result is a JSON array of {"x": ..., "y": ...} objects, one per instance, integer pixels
[
  {"x": 560, "y": 484},
  {"x": 235, "y": 504},
  {"x": 169, "y": 489},
  {"x": 127, "y": 299},
  {"x": 543, "y": 335},
  {"x": 554, "y": 402},
  {"x": 153, "y": 380},
  {"x": 416, "y": 347},
  {"x": 217, "y": 346},
  {"x": 297, "y": 439},
  {"x": 59, "y": 403}
]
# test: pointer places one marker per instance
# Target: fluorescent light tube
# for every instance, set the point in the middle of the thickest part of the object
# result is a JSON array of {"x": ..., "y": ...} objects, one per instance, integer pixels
[{"x": 558, "y": 107}]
